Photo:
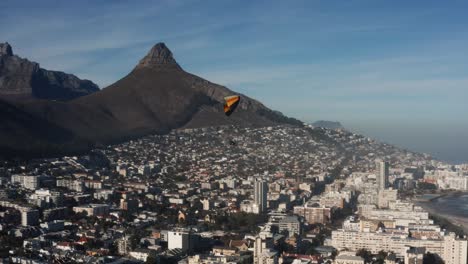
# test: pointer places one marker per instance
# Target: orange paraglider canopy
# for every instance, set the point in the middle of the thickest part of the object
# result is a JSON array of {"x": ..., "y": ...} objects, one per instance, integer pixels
[{"x": 230, "y": 104}]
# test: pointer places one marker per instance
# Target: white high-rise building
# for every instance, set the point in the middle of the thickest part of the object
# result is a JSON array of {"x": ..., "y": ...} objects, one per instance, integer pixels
[
  {"x": 382, "y": 174},
  {"x": 260, "y": 195},
  {"x": 123, "y": 245},
  {"x": 455, "y": 250},
  {"x": 178, "y": 239},
  {"x": 207, "y": 204}
]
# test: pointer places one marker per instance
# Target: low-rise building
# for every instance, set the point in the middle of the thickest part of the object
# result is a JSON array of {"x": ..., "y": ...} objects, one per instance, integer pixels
[
  {"x": 314, "y": 215},
  {"x": 93, "y": 209}
]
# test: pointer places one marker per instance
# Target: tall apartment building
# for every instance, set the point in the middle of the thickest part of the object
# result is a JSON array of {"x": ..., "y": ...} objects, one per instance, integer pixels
[
  {"x": 123, "y": 245},
  {"x": 260, "y": 195},
  {"x": 455, "y": 250},
  {"x": 382, "y": 174}
]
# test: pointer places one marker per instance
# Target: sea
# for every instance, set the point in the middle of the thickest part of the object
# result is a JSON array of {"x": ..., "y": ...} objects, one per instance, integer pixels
[{"x": 451, "y": 204}]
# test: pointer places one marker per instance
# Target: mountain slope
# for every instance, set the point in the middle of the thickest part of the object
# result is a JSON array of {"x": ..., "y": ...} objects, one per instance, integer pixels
[
  {"x": 23, "y": 79},
  {"x": 328, "y": 124},
  {"x": 158, "y": 94},
  {"x": 155, "y": 97},
  {"x": 25, "y": 134}
]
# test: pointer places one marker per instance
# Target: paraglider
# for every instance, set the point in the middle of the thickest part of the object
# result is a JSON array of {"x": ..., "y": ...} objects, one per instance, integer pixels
[{"x": 230, "y": 104}]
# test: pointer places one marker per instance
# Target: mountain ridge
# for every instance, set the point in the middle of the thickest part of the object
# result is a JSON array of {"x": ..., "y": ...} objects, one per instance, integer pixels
[
  {"x": 22, "y": 79},
  {"x": 157, "y": 96}
]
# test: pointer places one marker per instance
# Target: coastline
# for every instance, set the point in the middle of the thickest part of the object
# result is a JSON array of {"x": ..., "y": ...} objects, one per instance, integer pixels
[
  {"x": 457, "y": 221},
  {"x": 449, "y": 221}
]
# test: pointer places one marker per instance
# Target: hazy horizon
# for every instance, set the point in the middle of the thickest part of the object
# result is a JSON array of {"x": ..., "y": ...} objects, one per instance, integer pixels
[
  {"x": 451, "y": 146},
  {"x": 395, "y": 72},
  {"x": 437, "y": 143}
]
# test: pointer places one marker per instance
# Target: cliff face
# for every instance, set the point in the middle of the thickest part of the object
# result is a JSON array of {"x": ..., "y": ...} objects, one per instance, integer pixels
[{"x": 21, "y": 78}]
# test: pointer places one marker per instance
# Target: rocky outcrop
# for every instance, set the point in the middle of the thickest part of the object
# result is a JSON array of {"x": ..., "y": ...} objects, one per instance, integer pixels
[
  {"x": 158, "y": 56},
  {"x": 5, "y": 49},
  {"x": 21, "y": 78},
  {"x": 16, "y": 75}
]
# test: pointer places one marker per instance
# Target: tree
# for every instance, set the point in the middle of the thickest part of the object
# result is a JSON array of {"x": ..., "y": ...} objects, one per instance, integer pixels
[
  {"x": 427, "y": 186},
  {"x": 78, "y": 216},
  {"x": 151, "y": 259},
  {"x": 365, "y": 254},
  {"x": 113, "y": 250},
  {"x": 306, "y": 247},
  {"x": 431, "y": 258},
  {"x": 381, "y": 257}
]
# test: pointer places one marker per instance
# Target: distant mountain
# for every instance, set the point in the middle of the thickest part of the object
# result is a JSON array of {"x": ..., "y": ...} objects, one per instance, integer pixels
[
  {"x": 328, "y": 124},
  {"x": 155, "y": 97},
  {"x": 23, "y": 79}
]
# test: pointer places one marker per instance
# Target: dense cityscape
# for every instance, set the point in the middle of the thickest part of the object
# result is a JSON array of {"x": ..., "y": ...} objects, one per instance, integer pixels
[
  {"x": 233, "y": 132},
  {"x": 280, "y": 194}
]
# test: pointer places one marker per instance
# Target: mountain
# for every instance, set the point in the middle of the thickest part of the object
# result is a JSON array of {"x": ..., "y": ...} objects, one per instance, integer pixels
[
  {"x": 24, "y": 134},
  {"x": 23, "y": 79},
  {"x": 155, "y": 97},
  {"x": 328, "y": 124}
]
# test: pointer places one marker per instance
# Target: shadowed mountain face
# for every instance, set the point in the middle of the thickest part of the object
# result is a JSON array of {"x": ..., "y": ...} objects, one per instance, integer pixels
[
  {"x": 23, "y": 79},
  {"x": 157, "y": 96},
  {"x": 25, "y": 134}
]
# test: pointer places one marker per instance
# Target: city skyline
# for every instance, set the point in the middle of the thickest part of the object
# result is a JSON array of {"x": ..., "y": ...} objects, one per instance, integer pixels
[{"x": 233, "y": 132}]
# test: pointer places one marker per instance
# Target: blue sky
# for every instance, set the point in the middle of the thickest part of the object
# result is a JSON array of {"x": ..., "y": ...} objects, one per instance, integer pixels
[{"x": 394, "y": 70}]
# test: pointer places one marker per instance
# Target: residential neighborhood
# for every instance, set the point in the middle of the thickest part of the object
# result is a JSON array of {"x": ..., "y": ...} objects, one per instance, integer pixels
[{"x": 227, "y": 195}]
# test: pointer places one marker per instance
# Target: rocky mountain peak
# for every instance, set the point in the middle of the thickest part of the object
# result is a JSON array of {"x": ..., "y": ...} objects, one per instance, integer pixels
[
  {"x": 23, "y": 79},
  {"x": 158, "y": 56},
  {"x": 5, "y": 49}
]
